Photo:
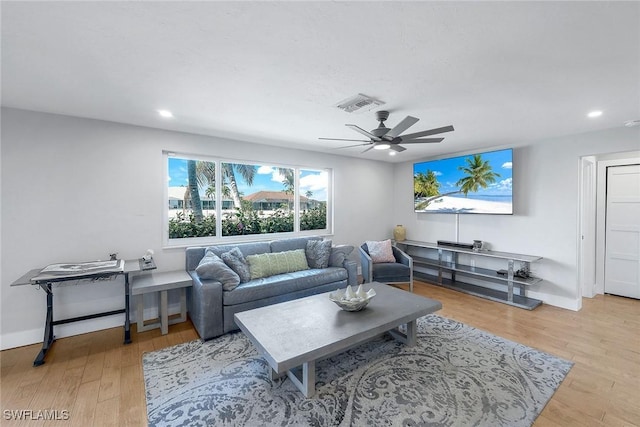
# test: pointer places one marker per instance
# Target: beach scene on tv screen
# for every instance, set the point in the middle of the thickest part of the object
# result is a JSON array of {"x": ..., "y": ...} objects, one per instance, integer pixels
[{"x": 475, "y": 184}]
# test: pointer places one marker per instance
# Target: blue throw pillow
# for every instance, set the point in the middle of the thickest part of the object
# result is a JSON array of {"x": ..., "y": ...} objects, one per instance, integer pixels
[
  {"x": 318, "y": 252},
  {"x": 212, "y": 267},
  {"x": 235, "y": 260}
]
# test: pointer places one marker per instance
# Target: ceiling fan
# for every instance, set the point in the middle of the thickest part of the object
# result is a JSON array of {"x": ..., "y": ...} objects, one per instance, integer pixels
[{"x": 382, "y": 138}]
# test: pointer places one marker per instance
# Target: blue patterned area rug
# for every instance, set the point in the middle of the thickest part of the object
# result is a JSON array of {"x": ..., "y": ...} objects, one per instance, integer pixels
[{"x": 455, "y": 376}]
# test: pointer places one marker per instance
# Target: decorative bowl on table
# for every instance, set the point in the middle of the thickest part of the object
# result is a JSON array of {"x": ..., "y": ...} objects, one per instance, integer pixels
[{"x": 349, "y": 300}]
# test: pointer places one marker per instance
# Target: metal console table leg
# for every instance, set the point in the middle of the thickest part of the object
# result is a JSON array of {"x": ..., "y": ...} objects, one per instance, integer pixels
[
  {"x": 48, "y": 326},
  {"x": 127, "y": 321}
]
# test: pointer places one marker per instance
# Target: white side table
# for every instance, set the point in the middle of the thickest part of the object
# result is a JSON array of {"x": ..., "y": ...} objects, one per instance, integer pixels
[{"x": 160, "y": 282}]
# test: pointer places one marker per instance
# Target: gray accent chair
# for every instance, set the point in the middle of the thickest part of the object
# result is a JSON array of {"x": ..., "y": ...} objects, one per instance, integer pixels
[{"x": 400, "y": 271}]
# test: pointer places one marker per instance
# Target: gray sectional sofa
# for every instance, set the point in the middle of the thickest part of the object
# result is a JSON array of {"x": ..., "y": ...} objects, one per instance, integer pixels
[{"x": 211, "y": 307}]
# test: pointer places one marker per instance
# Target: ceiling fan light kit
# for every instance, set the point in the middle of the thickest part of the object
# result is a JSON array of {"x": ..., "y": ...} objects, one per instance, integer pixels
[{"x": 383, "y": 138}]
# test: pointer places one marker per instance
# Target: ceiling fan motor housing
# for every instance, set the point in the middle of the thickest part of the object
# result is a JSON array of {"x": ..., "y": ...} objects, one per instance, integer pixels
[
  {"x": 382, "y": 115},
  {"x": 381, "y": 130}
]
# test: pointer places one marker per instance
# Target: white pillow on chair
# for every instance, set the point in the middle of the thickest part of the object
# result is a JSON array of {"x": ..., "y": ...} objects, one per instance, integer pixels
[{"x": 380, "y": 251}]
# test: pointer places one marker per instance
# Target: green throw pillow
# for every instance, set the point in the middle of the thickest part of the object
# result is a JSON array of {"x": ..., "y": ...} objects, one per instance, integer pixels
[{"x": 269, "y": 264}]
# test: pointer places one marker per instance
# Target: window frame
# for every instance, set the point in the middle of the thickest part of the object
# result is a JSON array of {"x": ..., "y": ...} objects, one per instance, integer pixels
[{"x": 218, "y": 238}]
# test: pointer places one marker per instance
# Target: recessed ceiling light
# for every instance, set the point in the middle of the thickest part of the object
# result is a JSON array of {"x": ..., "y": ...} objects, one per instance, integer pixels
[
  {"x": 165, "y": 113},
  {"x": 593, "y": 114},
  {"x": 392, "y": 153}
]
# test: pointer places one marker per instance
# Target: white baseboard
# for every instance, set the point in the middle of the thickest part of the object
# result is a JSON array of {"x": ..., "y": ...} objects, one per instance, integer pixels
[
  {"x": 34, "y": 336},
  {"x": 556, "y": 301},
  {"x": 22, "y": 338}
]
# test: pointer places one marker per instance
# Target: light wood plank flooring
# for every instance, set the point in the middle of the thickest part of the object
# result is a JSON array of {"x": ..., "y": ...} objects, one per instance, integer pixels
[{"x": 99, "y": 381}]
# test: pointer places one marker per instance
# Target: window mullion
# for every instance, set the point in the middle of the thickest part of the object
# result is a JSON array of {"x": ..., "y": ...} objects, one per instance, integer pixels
[
  {"x": 219, "y": 200},
  {"x": 296, "y": 200}
]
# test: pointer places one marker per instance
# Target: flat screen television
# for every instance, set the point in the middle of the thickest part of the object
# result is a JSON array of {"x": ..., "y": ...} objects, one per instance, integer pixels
[{"x": 472, "y": 184}]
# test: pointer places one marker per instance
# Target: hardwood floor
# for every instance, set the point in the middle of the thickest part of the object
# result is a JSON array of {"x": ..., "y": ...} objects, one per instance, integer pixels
[{"x": 99, "y": 381}]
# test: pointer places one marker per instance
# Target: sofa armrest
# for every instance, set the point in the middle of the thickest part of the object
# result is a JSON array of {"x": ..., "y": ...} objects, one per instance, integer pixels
[
  {"x": 193, "y": 255},
  {"x": 366, "y": 264},
  {"x": 352, "y": 272},
  {"x": 339, "y": 258},
  {"x": 339, "y": 254},
  {"x": 205, "y": 306}
]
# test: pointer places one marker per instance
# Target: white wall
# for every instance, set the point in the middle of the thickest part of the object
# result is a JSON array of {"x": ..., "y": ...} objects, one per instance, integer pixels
[
  {"x": 76, "y": 190},
  {"x": 546, "y": 195}
]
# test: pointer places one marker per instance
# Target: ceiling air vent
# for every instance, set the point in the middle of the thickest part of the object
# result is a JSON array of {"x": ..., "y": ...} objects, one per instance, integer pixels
[{"x": 358, "y": 102}]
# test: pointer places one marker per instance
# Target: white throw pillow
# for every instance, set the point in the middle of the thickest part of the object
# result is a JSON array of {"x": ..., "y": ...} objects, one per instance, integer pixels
[{"x": 380, "y": 251}]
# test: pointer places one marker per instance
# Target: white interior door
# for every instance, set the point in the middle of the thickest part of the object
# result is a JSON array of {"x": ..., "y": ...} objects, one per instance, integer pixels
[{"x": 622, "y": 254}]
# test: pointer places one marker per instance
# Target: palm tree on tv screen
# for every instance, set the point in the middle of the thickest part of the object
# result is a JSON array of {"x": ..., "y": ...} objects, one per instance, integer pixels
[
  {"x": 479, "y": 175},
  {"x": 425, "y": 185}
]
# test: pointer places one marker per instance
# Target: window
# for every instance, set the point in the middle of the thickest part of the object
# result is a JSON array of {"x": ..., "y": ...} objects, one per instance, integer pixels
[
  {"x": 313, "y": 198},
  {"x": 252, "y": 199}
]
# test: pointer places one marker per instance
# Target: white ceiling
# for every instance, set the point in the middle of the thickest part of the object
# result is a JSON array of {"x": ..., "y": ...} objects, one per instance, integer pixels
[{"x": 503, "y": 73}]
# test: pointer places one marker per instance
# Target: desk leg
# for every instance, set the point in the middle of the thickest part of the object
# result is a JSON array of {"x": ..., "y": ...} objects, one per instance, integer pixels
[
  {"x": 127, "y": 321},
  {"x": 48, "y": 326}
]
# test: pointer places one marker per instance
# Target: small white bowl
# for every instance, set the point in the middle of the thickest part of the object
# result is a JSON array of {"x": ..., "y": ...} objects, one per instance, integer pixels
[{"x": 352, "y": 301}]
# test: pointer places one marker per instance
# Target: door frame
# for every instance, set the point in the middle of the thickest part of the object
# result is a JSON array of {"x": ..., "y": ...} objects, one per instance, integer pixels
[{"x": 587, "y": 219}]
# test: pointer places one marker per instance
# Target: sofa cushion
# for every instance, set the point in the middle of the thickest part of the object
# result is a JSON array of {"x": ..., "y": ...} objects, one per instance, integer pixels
[
  {"x": 318, "y": 252},
  {"x": 246, "y": 248},
  {"x": 269, "y": 264},
  {"x": 238, "y": 263},
  {"x": 291, "y": 244},
  {"x": 282, "y": 284},
  {"x": 380, "y": 251},
  {"x": 212, "y": 267}
]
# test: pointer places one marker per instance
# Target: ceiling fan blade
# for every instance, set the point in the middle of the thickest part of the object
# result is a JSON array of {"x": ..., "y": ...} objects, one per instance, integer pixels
[
  {"x": 364, "y": 132},
  {"x": 428, "y": 132},
  {"x": 423, "y": 140},
  {"x": 351, "y": 146},
  {"x": 405, "y": 124},
  {"x": 342, "y": 139},
  {"x": 368, "y": 149},
  {"x": 397, "y": 148}
]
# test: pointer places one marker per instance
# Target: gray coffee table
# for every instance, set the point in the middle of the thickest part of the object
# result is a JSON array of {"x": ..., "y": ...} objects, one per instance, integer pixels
[{"x": 296, "y": 334}]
